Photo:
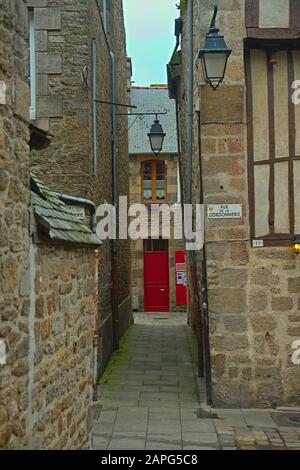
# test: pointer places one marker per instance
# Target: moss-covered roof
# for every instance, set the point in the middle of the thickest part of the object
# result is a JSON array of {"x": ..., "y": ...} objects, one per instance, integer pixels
[{"x": 54, "y": 217}]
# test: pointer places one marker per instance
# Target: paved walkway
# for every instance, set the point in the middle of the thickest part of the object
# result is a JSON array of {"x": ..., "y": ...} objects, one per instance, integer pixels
[{"x": 149, "y": 399}]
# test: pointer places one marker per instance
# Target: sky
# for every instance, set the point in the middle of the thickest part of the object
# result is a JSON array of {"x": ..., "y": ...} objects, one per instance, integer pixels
[{"x": 150, "y": 26}]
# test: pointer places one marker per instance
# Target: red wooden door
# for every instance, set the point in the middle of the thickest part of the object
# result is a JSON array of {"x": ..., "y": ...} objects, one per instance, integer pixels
[{"x": 156, "y": 276}]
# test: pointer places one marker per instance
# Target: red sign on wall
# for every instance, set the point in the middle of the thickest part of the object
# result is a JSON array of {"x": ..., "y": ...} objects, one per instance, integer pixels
[{"x": 180, "y": 278}]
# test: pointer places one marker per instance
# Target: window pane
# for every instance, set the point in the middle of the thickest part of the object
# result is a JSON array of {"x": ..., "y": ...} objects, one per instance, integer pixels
[
  {"x": 163, "y": 245},
  {"x": 160, "y": 180},
  {"x": 148, "y": 180},
  {"x": 155, "y": 244},
  {"x": 147, "y": 245}
]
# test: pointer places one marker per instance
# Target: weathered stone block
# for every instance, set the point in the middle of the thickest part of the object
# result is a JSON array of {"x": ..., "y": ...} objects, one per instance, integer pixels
[
  {"x": 4, "y": 179},
  {"x": 258, "y": 300},
  {"x": 232, "y": 277},
  {"x": 209, "y": 146},
  {"x": 269, "y": 395},
  {"x": 229, "y": 344},
  {"x": 41, "y": 41},
  {"x": 294, "y": 285},
  {"x": 233, "y": 394},
  {"x": 227, "y": 300},
  {"x": 48, "y": 63},
  {"x": 263, "y": 323},
  {"x": 261, "y": 276},
  {"x": 218, "y": 364},
  {"x": 22, "y": 99},
  {"x": 227, "y": 107},
  {"x": 48, "y": 18},
  {"x": 235, "y": 323},
  {"x": 216, "y": 251},
  {"x": 294, "y": 331},
  {"x": 40, "y": 307},
  {"x": 239, "y": 253},
  {"x": 49, "y": 106},
  {"x": 282, "y": 304},
  {"x": 36, "y": 3}
]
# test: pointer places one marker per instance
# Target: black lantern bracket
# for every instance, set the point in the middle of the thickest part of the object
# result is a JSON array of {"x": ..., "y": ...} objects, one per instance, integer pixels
[
  {"x": 215, "y": 46},
  {"x": 110, "y": 103},
  {"x": 144, "y": 114}
]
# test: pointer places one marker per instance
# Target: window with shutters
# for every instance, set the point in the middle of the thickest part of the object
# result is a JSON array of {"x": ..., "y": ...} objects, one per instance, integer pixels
[{"x": 154, "y": 181}]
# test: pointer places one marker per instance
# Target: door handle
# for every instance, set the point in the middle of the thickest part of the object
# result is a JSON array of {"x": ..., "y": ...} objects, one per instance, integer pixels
[{"x": 162, "y": 290}]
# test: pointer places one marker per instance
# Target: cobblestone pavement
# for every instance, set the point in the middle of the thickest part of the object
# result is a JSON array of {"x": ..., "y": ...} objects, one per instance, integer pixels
[{"x": 149, "y": 399}]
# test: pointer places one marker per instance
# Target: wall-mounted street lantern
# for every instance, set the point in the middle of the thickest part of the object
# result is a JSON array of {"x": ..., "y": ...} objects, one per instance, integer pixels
[
  {"x": 156, "y": 137},
  {"x": 214, "y": 55},
  {"x": 156, "y": 134},
  {"x": 296, "y": 241}
]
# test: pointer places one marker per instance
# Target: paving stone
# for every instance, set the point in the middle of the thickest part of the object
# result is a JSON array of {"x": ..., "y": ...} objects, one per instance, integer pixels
[
  {"x": 100, "y": 442},
  {"x": 158, "y": 403},
  {"x": 154, "y": 445},
  {"x": 126, "y": 443},
  {"x": 107, "y": 416},
  {"x": 199, "y": 438},
  {"x": 165, "y": 438},
  {"x": 198, "y": 425},
  {"x": 230, "y": 418},
  {"x": 259, "y": 418},
  {"x": 101, "y": 427},
  {"x": 195, "y": 447},
  {"x": 164, "y": 429}
]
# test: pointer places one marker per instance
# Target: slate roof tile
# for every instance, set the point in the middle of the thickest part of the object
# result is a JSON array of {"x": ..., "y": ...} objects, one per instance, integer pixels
[{"x": 55, "y": 217}]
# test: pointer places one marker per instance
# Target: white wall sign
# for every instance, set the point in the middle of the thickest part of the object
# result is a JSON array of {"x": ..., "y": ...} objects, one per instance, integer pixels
[
  {"x": 78, "y": 211},
  {"x": 2, "y": 353},
  {"x": 2, "y": 92},
  {"x": 257, "y": 243},
  {"x": 225, "y": 211}
]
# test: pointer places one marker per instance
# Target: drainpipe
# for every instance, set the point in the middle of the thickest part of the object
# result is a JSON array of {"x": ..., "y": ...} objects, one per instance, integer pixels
[
  {"x": 204, "y": 286},
  {"x": 190, "y": 99},
  {"x": 203, "y": 320},
  {"x": 197, "y": 295},
  {"x": 94, "y": 93},
  {"x": 114, "y": 253},
  {"x": 179, "y": 172},
  {"x": 114, "y": 130},
  {"x": 104, "y": 8},
  {"x": 83, "y": 202}
]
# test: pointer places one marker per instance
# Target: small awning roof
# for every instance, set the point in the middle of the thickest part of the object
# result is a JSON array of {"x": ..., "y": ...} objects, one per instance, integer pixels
[{"x": 54, "y": 217}]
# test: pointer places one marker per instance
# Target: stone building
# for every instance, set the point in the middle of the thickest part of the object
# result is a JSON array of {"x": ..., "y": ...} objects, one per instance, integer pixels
[
  {"x": 54, "y": 271},
  {"x": 245, "y": 152},
  {"x": 80, "y": 68},
  {"x": 158, "y": 266},
  {"x": 14, "y": 220}
]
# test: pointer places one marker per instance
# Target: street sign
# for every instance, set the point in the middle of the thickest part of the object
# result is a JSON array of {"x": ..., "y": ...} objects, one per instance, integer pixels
[
  {"x": 78, "y": 211},
  {"x": 224, "y": 211}
]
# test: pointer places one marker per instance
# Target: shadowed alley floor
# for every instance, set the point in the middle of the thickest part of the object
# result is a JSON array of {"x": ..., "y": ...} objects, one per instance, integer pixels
[
  {"x": 149, "y": 399},
  {"x": 148, "y": 392}
]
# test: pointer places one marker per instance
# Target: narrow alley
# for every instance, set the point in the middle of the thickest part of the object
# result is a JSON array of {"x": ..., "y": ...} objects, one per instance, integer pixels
[
  {"x": 149, "y": 398},
  {"x": 148, "y": 394},
  {"x": 149, "y": 228}
]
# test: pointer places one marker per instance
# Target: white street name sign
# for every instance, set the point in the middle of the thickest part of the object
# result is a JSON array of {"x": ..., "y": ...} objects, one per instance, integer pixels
[{"x": 225, "y": 211}]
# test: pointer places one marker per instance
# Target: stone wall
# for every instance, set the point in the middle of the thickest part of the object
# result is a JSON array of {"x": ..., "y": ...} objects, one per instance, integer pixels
[
  {"x": 49, "y": 308},
  {"x": 253, "y": 293},
  {"x": 61, "y": 354},
  {"x": 137, "y": 248},
  {"x": 14, "y": 217},
  {"x": 67, "y": 165}
]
